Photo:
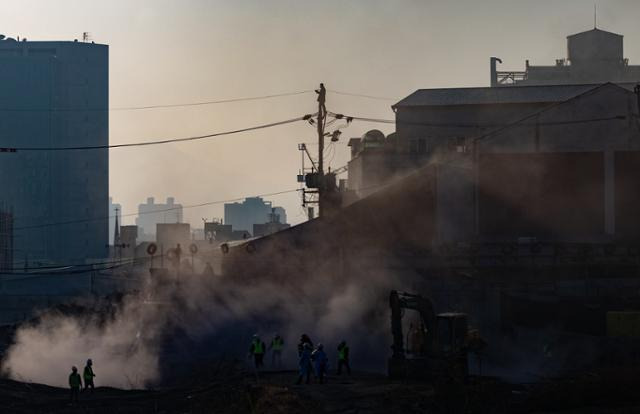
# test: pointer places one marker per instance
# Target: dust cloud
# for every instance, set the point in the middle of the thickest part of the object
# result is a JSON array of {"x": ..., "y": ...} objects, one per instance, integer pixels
[{"x": 160, "y": 333}]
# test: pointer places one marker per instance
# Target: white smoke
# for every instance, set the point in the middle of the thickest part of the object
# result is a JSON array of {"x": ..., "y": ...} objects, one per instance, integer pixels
[{"x": 127, "y": 348}]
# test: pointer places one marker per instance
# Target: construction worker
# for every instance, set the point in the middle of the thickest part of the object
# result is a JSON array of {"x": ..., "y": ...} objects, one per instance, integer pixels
[
  {"x": 319, "y": 357},
  {"x": 305, "y": 363},
  {"x": 343, "y": 357},
  {"x": 322, "y": 97},
  {"x": 276, "y": 346},
  {"x": 75, "y": 382},
  {"x": 257, "y": 349},
  {"x": 88, "y": 375},
  {"x": 304, "y": 339}
]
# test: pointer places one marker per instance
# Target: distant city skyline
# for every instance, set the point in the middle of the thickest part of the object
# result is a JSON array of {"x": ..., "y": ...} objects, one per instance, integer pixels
[{"x": 173, "y": 212}]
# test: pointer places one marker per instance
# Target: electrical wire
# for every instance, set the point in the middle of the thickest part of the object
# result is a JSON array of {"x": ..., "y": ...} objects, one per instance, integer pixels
[
  {"x": 146, "y": 107},
  {"x": 30, "y": 276},
  {"x": 166, "y": 141},
  {"x": 463, "y": 125},
  {"x": 359, "y": 95},
  {"x": 209, "y": 203},
  {"x": 65, "y": 270},
  {"x": 66, "y": 266}
]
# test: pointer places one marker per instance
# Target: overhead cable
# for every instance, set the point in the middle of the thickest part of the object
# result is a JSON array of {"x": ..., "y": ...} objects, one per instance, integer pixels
[
  {"x": 145, "y": 107},
  {"x": 379, "y": 98},
  {"x": 474, "y": 125},
  {"x": 164, "y": 141}
]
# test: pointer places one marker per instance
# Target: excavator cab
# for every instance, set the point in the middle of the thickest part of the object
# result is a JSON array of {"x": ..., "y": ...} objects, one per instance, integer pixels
[
  {"x": 436, "y": 344},
  {"x": 452, "y": 332}
]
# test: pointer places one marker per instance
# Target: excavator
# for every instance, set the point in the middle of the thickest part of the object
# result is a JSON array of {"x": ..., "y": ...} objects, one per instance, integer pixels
[{"x": 437, "y": 345}]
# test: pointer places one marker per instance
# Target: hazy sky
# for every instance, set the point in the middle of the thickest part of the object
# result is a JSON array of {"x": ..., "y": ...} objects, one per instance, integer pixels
[{"x": 170, "y": 51}]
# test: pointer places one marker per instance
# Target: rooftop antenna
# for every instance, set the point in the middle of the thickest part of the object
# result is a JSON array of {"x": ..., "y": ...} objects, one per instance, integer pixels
[
  {"x": 86, "y": 37},
  {"x": 595, "y": 16}
]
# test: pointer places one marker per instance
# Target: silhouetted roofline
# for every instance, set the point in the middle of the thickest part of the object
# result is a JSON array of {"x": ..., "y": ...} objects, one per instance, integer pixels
[
  {"x": 497, "y": 95},
  {"x": 595, "y": 30},
  {"x": 18, "y": 43}
]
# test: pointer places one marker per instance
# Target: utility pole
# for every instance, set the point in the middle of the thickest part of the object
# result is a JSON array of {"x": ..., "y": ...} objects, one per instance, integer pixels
[
  {"x": 316, "y": 181},
  {"x": 322, "y": 113}
]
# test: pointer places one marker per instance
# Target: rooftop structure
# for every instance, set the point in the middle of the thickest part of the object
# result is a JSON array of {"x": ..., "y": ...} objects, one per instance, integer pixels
[{"x": 593, "y": 56}]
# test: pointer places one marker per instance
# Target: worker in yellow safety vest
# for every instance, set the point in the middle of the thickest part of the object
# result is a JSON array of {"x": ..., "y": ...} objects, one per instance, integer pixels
[
  {"x": 75, "y": 382},
  {"x": 257, "y": 349},
  {"x": 88, "y": 375},
  {"x": 276, "y": 346},
  {"x": 343, "y": 357}
]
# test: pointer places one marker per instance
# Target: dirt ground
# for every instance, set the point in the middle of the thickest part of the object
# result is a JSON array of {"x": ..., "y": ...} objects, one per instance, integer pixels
[{"x": 276, "y": 393}]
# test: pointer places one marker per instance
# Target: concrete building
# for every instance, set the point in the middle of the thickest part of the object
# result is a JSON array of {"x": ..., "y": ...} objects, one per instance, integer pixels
[
  {"x": 168, "y": 235},
  {"x": 150, "y": 214},
  {"x": 114, "y": 210},
  {"x": 55, "y": 94},
  {"x": 576, "y": 143},
  {"x": 594, "y": 56},
  {"x": 437, "y": 123},
  {"x": 274, "y": 225},
  {"x": 441, "y": 125},
  {"x": 253, "y": 210},
  {"x": 129, "y": 240},
  {"x": 216, "y": 231}
]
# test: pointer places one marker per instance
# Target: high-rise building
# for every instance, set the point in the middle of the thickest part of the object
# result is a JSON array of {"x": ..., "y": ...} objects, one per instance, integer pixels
[
  {"x": 150, "y": 214},
  {"x": 253, "y": 210},
  {"x": 52, "y": 95}
]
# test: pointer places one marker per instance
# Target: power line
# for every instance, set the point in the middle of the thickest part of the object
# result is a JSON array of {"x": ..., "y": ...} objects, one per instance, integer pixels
[
  {"x": 209, "y": 203},
  {"x": 468, "y": 125},
  {"x": 164, "y": 141},
  {"x": 68, "y": 266},
  {"x": 252, "y": 98},
  {"x": 146, "y": 107},
  {"x": 29, "y": 276},
  {"x": 379, "y": 98}
]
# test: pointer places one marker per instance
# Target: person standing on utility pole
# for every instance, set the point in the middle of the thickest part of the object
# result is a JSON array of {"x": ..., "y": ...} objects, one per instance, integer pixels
[{"x": 322, "y": 97}]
